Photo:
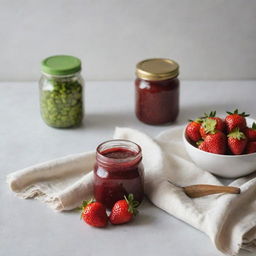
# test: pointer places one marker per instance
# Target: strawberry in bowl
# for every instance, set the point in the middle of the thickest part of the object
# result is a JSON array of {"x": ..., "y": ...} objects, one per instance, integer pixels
[{"x": 226, "y": 146}]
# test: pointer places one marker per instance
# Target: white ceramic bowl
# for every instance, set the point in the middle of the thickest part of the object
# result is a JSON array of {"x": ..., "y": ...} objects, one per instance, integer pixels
[{"x": 228, "y": 166}]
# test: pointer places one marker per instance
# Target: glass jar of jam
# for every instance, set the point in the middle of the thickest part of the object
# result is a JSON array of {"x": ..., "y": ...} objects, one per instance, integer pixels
[
  {"x": 61, "y": 91},
  {"x": 118, "y": 172},
  {"x": 157, "y": 91}
]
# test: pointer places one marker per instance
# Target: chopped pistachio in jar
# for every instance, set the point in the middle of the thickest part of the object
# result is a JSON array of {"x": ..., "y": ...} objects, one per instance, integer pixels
[{"x": 62, "y": 104}]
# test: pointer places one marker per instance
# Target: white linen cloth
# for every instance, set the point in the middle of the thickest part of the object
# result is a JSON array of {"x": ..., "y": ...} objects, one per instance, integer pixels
[{"x": 229, "y": 220}]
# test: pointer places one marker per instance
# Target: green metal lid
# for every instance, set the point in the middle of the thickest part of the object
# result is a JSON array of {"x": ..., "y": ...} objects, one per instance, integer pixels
[{"x": 61, "y": 65}]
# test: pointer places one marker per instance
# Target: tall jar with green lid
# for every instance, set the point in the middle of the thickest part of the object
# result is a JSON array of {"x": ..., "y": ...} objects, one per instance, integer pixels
[{"x": 61, "y": 91}]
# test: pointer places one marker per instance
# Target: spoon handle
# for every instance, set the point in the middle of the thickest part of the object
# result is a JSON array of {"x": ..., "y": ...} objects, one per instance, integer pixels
[{"x": 199, "y": 190}]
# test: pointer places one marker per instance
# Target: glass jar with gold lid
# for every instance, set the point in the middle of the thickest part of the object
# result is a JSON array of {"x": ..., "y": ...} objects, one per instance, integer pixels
[{"x": 157, "y": 91}]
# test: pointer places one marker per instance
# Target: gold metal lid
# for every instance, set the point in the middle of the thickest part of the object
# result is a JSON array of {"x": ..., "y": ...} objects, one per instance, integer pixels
[{"x": 157, "y": 69}]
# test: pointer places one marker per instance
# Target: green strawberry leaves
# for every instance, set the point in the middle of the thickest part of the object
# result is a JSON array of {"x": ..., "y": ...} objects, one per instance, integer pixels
[
  {"x": 209, "y": 125},
  {"x": 198, "y": 143},
  {"x": 84, "y": 204},
  {"x": 132, "y": 204},
  {"x": 236, "y": 134},
  {"x": 237, "y": 113},
  {"x": 198, "y": 120},
  {"x": 211, "y": 114}
]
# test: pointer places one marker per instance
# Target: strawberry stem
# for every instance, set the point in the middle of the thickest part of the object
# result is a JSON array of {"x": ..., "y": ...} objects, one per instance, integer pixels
[
  {"x": 84, "y": 204},
  {"x": 132, "y": 204}
]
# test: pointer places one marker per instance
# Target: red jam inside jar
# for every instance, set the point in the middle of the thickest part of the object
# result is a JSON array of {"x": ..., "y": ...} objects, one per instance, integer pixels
[
  {"x": 118, "y": 172},
  {"x": 157, "y": 91}
]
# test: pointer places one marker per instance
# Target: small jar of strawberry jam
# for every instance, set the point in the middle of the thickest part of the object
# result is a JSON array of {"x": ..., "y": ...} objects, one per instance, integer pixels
[
  {"x": 157, "y": 91},
  {"x": 118, "y": 172}
]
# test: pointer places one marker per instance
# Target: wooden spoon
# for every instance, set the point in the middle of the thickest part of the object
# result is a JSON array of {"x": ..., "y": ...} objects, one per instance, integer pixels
[{"x": 200, "y": 190}]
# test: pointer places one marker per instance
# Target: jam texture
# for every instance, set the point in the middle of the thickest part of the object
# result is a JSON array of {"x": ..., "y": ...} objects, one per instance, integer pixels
[
  {"x": 120, "y": 174},
  {"x": 157, "y": 102}
]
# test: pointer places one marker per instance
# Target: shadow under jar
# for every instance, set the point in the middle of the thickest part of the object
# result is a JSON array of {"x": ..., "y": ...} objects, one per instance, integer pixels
[
  {"x": 61, "y": 91},
  {"x": 118, "y": 172},
  {"x": 157, "y": 91}
]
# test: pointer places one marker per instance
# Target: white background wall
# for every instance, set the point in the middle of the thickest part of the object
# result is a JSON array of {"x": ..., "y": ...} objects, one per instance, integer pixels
[{"x": 211, "y": 39}]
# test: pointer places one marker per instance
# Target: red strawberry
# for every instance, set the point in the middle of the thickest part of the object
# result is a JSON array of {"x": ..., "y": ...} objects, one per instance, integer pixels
[
  {"x": 94, "y": 213},
  {"x": 208, "y": 126},
  {"x": 192, "y": 130},
  {"x": 202, "y": 145},
  {"x": 216, "y": 143},
  {"x": 220, "y": 126},
  {"x": 237, "y": 142},
  {"x": 250, "y": 133},
  {"x": 235, "y": 120},
  {"x": 124, "y": 210},
  {"x": 250, "y": 147}
]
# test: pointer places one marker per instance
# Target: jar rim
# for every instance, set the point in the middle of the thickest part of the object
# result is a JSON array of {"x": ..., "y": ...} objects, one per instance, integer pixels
[
  {"x": 119, "y": 143},
  {"x": 60, "y": 76},
  {"x": 157, "y": 69}
]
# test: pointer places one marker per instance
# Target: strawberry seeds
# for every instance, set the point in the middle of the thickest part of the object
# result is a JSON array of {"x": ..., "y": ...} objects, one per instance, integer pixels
[{"x": 95, "y": 214}]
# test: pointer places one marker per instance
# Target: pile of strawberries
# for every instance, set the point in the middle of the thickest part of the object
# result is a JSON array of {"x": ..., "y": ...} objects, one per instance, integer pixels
[
  {"x": 229, "y": 136},
  {"x": 95, "y": 214}
]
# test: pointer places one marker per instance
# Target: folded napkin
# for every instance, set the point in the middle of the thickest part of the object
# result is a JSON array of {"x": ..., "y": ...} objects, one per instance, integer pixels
[{"x": 229, "y": 220}]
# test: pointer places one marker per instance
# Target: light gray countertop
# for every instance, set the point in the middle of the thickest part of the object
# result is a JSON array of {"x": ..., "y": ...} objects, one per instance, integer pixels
[{"x": 27, "y": 227}]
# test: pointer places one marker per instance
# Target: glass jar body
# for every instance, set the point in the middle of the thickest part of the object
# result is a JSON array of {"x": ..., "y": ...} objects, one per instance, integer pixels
[
  {"x": 157, "y": 102},
  {"x": 61, "y": 100},
  {"x": 114, "y": 179}
]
